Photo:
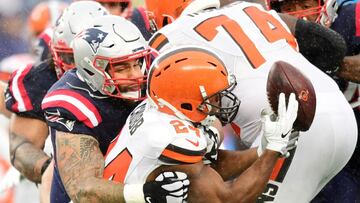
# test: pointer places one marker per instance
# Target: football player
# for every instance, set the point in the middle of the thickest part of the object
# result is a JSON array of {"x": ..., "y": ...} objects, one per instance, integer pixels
[
  {"x": 28, "y": 86},
  {"x": 250, "y": 40},
  {"x": 41, "y": 21},
  {"x": 169, "y": 129},
  {"x": 10, "y": 176},
  {"x": 87, "y": 108},
  {"x": 341, "y": 16}
]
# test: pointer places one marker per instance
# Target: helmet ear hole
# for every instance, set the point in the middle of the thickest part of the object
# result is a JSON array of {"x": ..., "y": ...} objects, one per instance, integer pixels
[
  {"x": 88, "y": 72},
  {"x": 165, "y": 21},
  {"x": 186, "y": 106}
]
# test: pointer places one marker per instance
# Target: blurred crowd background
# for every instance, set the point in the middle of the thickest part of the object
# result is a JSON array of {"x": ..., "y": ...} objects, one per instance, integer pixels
[{"x": 14, "y": 29}]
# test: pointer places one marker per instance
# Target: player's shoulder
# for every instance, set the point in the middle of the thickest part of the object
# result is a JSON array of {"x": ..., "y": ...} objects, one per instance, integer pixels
[
  {"x": 73, "y": 99},
  {"x": 27, "y": 86},
  {"x": 169, "y": 138},
  {"x": 141, "y": 20}
]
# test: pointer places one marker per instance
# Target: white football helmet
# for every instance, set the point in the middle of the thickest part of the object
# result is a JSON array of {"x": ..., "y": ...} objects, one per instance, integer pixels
[
  {"x": 74, "y": 19},
  {"x": 107, "y": 43}
]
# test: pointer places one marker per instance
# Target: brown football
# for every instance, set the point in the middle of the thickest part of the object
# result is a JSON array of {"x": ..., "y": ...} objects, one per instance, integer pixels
[{"x": 284, "y": 77}]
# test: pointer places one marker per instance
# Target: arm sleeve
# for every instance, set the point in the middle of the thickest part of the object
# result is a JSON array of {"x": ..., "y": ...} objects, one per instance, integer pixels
[{"x": 323, "y": 47}]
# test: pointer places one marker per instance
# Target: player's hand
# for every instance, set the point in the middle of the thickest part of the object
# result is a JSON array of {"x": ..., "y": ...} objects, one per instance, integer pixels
[
  {"x": 10, "y": 179},
  {"x": 167, "y": 187},
  {"x": 277, "y": 130},
  {"x": 292, "y": 144}
]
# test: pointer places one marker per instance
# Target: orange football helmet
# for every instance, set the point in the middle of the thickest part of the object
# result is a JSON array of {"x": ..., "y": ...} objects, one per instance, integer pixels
[
  {"x": 45, "y": 14},
  {"x": 165, "y": 12},
  {"x": 192, "y": 83}
]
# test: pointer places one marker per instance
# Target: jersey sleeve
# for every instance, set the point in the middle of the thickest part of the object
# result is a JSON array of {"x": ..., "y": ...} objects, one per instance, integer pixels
[
  {"x": 347, "y": 25},
  {"x": 23, "y": 96},
  {"x": 69, "y": 111},
  {"x": 140, "y": 19}
]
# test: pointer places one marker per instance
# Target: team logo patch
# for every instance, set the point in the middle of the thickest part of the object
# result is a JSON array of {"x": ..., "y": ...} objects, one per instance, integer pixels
[
  {"x": 94, "y": 37},
  {"x": 55, "y": 117}
]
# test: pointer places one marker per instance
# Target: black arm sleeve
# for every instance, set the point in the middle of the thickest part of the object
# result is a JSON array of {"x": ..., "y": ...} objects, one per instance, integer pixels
[{"x": 323, "y": 47}]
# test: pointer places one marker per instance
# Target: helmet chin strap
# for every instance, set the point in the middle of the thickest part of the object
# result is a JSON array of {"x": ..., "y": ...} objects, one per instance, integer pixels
[
  {"x": 180, "y": 115},
  {"x": 209, "y": 120}
]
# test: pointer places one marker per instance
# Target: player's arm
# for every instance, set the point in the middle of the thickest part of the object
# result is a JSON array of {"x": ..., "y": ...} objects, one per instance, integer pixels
[
  {"x": 350, "y": 69},
  {"x": 224, "y": 165},
  {"x": 3, "y": 109},
  {"x": 81, "y": 164},
  {"x": 208, "y": 186},
  {"x": 27, "y": 138},
  {"x": 322, "y": 46},
  {"x": 221, "y": 160}
]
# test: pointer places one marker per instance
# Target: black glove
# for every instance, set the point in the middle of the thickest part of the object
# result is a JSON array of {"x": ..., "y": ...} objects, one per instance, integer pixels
[{"x": 167, "y": 187}]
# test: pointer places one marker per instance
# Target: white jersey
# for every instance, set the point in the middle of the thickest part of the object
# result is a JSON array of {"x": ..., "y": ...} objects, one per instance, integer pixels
[
  {"x": 250, "y": 40},
  {"x": 148, "y": 140}
]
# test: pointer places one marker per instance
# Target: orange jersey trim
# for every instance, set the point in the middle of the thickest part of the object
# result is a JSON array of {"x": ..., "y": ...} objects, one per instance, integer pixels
[{"x": 181, "y": 157}]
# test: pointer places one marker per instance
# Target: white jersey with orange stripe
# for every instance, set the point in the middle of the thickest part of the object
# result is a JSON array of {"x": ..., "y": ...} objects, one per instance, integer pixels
[
  {"x": 249, "y": 40},
  {"x": 150, "y": 139}
]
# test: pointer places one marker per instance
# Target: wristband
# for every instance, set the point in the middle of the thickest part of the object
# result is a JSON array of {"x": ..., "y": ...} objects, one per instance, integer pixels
[{"x": 133, "y": 193}]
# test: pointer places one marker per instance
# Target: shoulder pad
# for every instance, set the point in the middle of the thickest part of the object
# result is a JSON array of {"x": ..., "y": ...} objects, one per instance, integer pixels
[{"x": 75, "y": 103}]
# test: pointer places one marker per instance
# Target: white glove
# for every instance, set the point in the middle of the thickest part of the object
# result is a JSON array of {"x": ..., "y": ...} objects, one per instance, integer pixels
[
  {"x": 276, "y": 132},
  {"x": 293, "y": 142},
  {"x": 10, "y": 179}
]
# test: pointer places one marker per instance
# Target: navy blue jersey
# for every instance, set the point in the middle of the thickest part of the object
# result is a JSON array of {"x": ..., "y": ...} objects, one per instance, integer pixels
[
  {"x": 27, "y": 87},
  {"x": 140, "y": 19},
  {"x": 71, "y": 106},
  {"x": 347, "y": 25}
]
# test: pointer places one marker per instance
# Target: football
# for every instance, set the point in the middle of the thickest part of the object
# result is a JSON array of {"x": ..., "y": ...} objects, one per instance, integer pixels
[{"x": 283, "y": 77}]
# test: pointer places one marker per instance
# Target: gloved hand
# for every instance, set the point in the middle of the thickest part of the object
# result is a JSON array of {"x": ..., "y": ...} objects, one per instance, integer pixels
[
  {"x": 10, "y": 179},
  {"x": 167, "y": 187},
  {"x": 277, "y": 130},
  {"x": 213, "y": 141}
]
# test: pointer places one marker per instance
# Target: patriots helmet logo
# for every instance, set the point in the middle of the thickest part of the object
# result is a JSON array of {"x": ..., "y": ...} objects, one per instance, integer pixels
[{"x": 94, "y": 37}]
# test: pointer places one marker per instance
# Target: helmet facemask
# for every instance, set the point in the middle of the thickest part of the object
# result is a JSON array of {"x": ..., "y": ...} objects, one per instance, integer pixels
[
  {"x": 63, "y": 58},
  {"x": 224, "y": 105},
  {"x": 310, "y": 9},
  {"x": 124, "y": 88}
]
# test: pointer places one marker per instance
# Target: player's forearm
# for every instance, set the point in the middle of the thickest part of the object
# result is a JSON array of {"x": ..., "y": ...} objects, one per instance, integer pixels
[
  {"x": 251, "y": 183},
  {"x": 98, "y": 190},
  {"x": 27, "y": 158},
  {"x": 3, "y": 109},
  {"x": 350, "y": 69},
  {"x": 231, "y": 164},
  {"x": 81, "y": 165}
]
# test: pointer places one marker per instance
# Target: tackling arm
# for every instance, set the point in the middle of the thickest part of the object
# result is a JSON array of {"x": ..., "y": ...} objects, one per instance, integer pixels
[
  {"x": 322, "y": 46},
  {"x": 81, "y": 164},
  {"x": 27, "y": 138},
  {"x": 350, "y": 69}
]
